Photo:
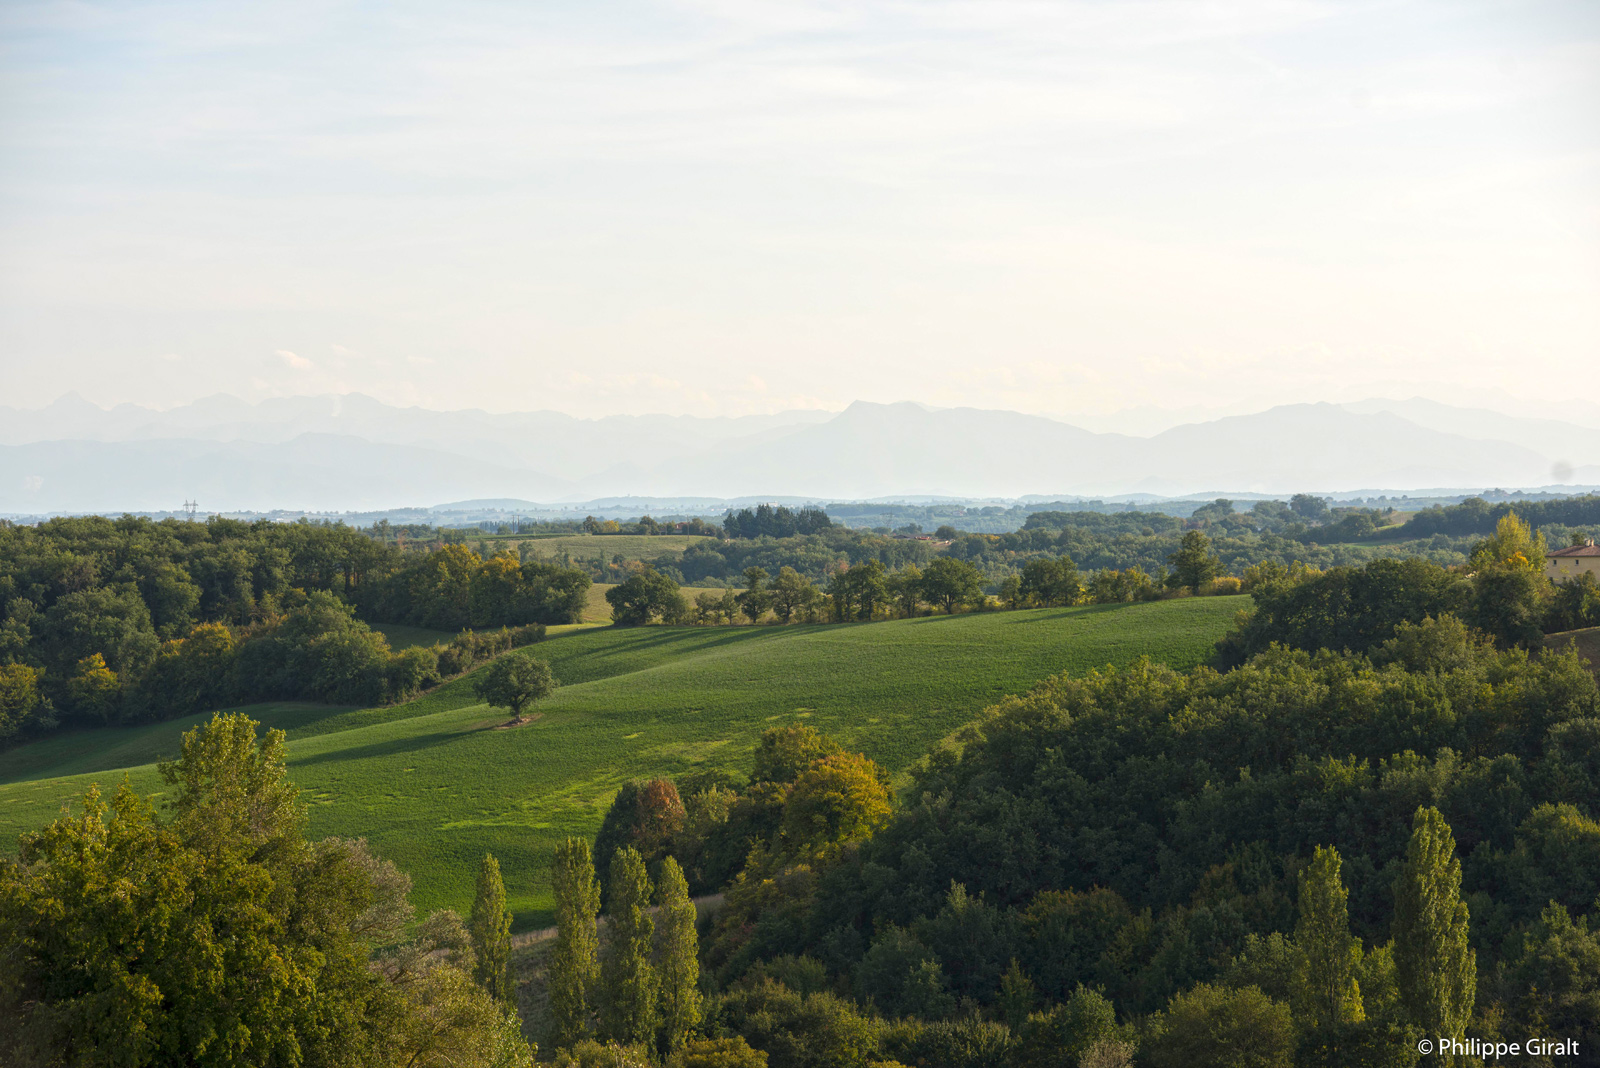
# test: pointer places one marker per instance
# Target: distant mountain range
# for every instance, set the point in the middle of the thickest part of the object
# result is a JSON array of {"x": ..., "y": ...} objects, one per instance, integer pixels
[{"x": 335, "y": 453}]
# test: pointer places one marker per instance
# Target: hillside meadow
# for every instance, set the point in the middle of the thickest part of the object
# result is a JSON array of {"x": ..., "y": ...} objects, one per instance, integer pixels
[{"x": 436, "y": 782}]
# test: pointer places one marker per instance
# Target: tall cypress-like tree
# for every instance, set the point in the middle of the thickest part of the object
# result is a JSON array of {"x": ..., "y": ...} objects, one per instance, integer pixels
[
  {"x": 677, "y": 956},
  {"x": 1435, "y": 967},
  {"x": 574, "y": 962},
  {"x": 626, "y": 972},
  {"x": 491, "y": 931},
  {"x": 1325, "y": 985}
]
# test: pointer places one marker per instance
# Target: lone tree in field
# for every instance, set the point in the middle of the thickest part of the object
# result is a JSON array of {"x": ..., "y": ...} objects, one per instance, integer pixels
[
  {"x": 515, "y": 682},
  {"x": 490, "y": 928}
]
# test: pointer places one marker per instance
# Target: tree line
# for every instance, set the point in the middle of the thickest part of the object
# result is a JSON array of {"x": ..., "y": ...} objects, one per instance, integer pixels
[{"x": 131, "y": 620}]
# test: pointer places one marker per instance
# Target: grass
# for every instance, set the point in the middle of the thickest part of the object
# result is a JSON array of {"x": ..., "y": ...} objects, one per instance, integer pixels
[
  {"x": 403, "y": 637},
  {"x": 606, "y": 546},
  {"x": 433, "y": 786}
]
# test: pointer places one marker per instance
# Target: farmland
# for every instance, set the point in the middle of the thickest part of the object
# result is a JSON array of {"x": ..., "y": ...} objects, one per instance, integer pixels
[{"x": 432, "y": 784}]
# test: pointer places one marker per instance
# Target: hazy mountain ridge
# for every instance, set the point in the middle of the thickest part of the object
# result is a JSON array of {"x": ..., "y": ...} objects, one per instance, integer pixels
[{"x": 352, "y": 452}]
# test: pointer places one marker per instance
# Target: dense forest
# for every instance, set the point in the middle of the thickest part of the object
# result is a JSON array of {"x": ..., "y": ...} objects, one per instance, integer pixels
[
  {"x": 128, "y": 620},
  {"x": 1314, "y": 858}
]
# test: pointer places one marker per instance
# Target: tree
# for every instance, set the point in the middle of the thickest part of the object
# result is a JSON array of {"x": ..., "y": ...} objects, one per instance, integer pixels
[
  {"x": 905, "y": 587},
  {"x": 870, "y": 583},
  {"x": 951, "y": 583},
  {"x": 514, "y": 682},
  {"x": 1309, "y": 507},
  {"x": 93, "y": 689},
  {"x": 629, "y": 978},
  {"x": 1514, "y": 544},
  {"x": 1193, "y": 564},
  {"x": 1050, "y": 582},
  {"x": 644, "y": 597},
  {"x": 1016, "y": 995},
  {"x": 754, "y": 601},
  {"x": 677, "y": 957},
  {"x": 791, "y": 592},
  {"x": 1011, "y": 591},
  {"x": 1214, "y": 1027},
  {"x": 1435, "y": 965},
  {"x": 221, "y": 936},
  {"x": 491, "y": 931},
  {"x": 19, "y": 696},
  {"x": 784, "y": 752},
  {"x": 1068, "y": 1031},
  {"x": 840, "y": 798},
  {"x": 1329, "y": 956},
  {"x": 732, "y": 1052},
  {"x": 574, "y": 961}
]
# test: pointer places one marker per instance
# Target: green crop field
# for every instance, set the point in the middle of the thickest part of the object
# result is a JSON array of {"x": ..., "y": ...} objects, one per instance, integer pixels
[
  {"x": 606, "y": 546},
  {"x": 433, "y": 784}
]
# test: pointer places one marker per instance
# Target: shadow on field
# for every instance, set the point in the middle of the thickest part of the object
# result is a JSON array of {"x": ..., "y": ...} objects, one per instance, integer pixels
[
  {"x": 664, "y": 635},
  {"x": 380, "y": 749}
]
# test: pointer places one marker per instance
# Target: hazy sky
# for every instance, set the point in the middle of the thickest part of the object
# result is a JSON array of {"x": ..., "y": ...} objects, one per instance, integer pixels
[{"x": 730, "y": 206}]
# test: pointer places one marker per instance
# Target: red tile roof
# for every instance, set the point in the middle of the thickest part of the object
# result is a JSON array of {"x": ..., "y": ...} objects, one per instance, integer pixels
[{"x": 1576, "y": 550}]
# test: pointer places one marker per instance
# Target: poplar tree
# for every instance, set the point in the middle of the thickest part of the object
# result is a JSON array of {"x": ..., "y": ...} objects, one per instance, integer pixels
[
  {"x": 491, "y": 931},
  {"x": 1435, "y": 968},
  {"x": 574, "y": 962},
  {"x": 626, "y": 973},
  {"x": 677, "y": 956},
  {"x": 1325, "y": 985}
]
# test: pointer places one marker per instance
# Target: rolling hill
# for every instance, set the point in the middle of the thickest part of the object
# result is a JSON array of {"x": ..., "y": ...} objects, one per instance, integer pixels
[{"x": 433, "y": 784}]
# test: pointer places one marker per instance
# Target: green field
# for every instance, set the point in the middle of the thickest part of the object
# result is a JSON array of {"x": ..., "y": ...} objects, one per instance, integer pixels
[
  {"x": 606, "y": 546},
  {"x": 403, "y": 637},
  {"x": 434, "y": 785}
]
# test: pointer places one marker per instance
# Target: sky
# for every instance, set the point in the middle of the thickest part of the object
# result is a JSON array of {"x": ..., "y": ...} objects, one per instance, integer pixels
[{"x": 725, "y": 207}]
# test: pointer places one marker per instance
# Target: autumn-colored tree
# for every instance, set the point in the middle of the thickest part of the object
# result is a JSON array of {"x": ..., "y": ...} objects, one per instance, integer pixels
[{"x": 840, "y": 798}]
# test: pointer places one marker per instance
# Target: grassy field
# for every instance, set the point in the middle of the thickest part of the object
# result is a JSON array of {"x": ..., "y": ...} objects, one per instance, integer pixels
[
  {"x": 606, "y": 546},
  {"x": 403, "y": 637},
  {"x": 433, "y": 784}
]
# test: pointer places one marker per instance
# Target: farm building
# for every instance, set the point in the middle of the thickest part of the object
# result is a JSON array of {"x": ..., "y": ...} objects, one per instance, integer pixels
[{"x": 1564, "y": 565}]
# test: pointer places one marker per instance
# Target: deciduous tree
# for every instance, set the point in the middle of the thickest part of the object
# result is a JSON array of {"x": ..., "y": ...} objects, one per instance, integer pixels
[
  {"x": 514, "y": 682},
  {"x": 629, "y": 977},
  {"x": 677, "y": 959},
  {"x": 491, "y": 931},
  {"x": 1435, "y": 964},
  {"x": 574, "y": 961}
]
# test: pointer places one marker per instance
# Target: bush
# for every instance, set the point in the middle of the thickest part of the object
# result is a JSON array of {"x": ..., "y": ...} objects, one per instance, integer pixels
[
  {"x": 718, "y": 1053},
  {"x": 815, "y": 1031},
  {"x": 1214, "y": 1027}
]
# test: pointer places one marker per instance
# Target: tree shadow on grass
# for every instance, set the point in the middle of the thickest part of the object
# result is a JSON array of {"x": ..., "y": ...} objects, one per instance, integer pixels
[{"x": 381, "y": 749}]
